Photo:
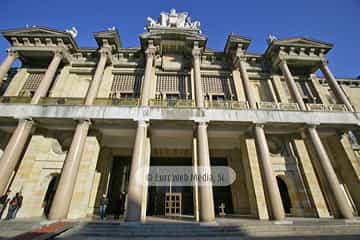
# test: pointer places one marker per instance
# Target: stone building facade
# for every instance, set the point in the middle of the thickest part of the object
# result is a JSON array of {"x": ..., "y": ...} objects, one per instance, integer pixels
[{"x": 79, "y": 122}]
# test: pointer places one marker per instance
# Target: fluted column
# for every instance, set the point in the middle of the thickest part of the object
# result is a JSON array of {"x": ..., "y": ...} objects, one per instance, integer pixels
[
  {"x": 199, "y": 96},
  {"x": 61, "y": 203},
  {"x": 45, "y": 83},
  {"x": 13, "y": 151},
  {"x": 269, "y": 181},
  {"x": 292, "y": 85},
  {"x": 135, "y": 187},
  {"x": 22, "y": 132},
  {"x": 7, "y": 63},
  {"x": 95, "y": 83},
  {"x": 339, "y": 93},
  {"x": 272, "y": 191},
  {"x": 324, "y": 160},
  {"x": 65, "y": 189},
  {"x": 328, "y": 171},
  {"x": 145, "y": 93},
  {"x": 205, "y": 191},
  {"x": 246, "y": 83}
]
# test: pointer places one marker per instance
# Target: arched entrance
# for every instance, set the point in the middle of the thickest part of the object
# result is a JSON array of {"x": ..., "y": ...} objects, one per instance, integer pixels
[
  {"x": 284, "y": 193},
  {"x": 50, "y": 192}
]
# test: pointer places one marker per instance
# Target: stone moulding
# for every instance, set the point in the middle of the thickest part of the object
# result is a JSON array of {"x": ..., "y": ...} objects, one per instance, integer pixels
[{"x": 20, "y": 111}]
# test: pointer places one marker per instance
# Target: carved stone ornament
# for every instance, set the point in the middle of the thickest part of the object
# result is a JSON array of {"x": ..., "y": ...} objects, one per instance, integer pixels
[{"x": 173, "y": 19}]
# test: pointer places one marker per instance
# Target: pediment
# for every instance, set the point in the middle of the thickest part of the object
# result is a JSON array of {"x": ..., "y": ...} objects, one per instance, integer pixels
[
  {"x": 110, "y": 35},
  {"x": 34, "y": 31},
  {"x": 306, "y": 42}
]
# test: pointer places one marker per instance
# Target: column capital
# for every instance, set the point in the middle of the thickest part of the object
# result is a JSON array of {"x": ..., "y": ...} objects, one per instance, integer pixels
[
  {"x": 282, "y": 58},
  {"x": 105, "y": 51},
  {"x": 324, "y": 61},
  {"x": 12, "y": 52},
  {"x": 260, "y": 125},
  {"x": 58, "y": 53},
  {"x": 83, "y": 120},
  {"x": 196, "y": 52}
]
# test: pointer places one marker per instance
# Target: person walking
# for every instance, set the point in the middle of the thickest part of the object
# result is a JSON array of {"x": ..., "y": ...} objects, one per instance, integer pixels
[
  {"x": 14, "y": 206},
  {"x": 4, "y": 199},
  {"x": 104, "y": 201}
]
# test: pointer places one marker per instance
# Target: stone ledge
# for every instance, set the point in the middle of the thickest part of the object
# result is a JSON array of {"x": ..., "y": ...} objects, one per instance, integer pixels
[{"x": 19, "y": 111}]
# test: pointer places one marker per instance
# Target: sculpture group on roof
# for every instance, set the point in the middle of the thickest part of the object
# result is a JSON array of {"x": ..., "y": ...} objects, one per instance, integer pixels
[{"x": 174, "y": 19}]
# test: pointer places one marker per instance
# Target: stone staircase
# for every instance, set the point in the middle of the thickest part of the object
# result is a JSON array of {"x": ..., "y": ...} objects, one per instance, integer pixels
[
  {"x": 12, "y": 228},
  {"x": 223, "y": 229}
]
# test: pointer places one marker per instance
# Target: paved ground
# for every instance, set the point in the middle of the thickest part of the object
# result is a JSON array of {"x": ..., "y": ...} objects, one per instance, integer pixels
[{"x": 184, "y": 228}]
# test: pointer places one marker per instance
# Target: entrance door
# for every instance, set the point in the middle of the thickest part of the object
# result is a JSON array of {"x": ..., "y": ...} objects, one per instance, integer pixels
[
  {"x": 173, "y": 204},
  {"x": 284, "y": 193},
  {"x": 50, "y": 192}
]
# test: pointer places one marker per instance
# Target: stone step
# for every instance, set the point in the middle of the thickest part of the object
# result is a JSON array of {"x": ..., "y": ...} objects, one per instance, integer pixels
[{"x": 108, "y": 231}]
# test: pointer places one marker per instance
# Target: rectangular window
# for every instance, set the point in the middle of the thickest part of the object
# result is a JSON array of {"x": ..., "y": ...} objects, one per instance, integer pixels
[
  {"x": 173, "y": 85},
  {"x": 218, "y": 85},
  {"x": 31, "y": 84},
  {"x": 126, "y": 85}
]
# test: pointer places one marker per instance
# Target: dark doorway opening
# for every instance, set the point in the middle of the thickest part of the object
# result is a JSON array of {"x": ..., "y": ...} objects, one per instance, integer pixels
[
  {"x": 156, "y": 194},
  {"x": 222, "y": 194},
  {"x": 118, "y": 186},
  {"x": 284, "y": 193},
  {"x": 50, "y": 192}
]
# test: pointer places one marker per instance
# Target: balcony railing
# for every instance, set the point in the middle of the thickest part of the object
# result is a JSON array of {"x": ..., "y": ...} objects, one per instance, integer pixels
[
  {"x": 226, "y": 105},
  {"x": 62, "y": 101},
  {"x": 337, "y": 107},
  {"x": 178, "y": 103},
  {"x": 131, "y": 102},
  {"x": 277, "y": 106},
  {"x": 326, "y": 108},
  {"x": 175, "y": 103},
  {"x": 14, "y": 99}
]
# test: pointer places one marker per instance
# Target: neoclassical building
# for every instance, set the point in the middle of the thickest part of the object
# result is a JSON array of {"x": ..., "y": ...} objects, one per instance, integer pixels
[{"x": 76, "y": 123}]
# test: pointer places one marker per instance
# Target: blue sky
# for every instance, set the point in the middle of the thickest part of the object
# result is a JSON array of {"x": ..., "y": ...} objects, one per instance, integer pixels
[{"x": 332, "y": 21}]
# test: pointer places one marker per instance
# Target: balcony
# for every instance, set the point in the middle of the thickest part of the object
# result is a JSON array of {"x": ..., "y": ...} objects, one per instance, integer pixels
[
  {"x": 277, "y": 106},
  {"x": 8, "y": 99},
  {"x": 227, "y": 105},
  {"x": 172, "y": 103},
  {"x": 129, "y": 102},
  {"x": 326, "y": 108},
  {"x": 62, "y": 101}
]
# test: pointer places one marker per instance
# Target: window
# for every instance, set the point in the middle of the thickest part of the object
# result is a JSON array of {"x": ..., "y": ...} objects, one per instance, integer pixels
[
  {"x": 173, "y": 84},
  {"x": 218, "y": 85},
  {"x": 31, "y": 84},
  {"x": 126, "y": 85}
]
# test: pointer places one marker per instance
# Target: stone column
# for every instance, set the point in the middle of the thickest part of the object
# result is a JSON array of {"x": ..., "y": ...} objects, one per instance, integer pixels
[
  {"x": 18, "y": 140},
  {"x": 135, "y": 187},
  {"x": 329, "y": 174},
  {"x": 271, "y": 189},
  {"x": 339, "y": 93},
  {"x": 146, "y": 85},
  {"x": 269, "y": 181},
  {"x": 206, "y": 198},
  {"x": 195, "y": 186},
  {"x": 65, "y": 189},
  {"x": 45, "y": 83},
  {"x": 246, "y": 83},
  {"x": 13, "y": 151},
  {"x": 7, "y": 63},
  {"x": 292, "y": 85},
  {"x": 95, "y": 83},
  {"x": 199, "y": 96}
]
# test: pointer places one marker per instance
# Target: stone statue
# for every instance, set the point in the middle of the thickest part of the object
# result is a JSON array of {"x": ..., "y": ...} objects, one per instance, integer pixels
[
  {"x": 112, "y": 28},
  {"x": 173, "y": 19},
  {"x": 73, "y": 32},
  {"x": 271, "y": 38},
  {"x": 152, "y": 22}
]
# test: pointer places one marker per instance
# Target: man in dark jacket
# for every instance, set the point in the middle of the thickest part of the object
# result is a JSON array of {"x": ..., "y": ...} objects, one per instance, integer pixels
[
  {"x": 4, "y": 199},
  {"x": 104, "y": 201},
  {"x": 14, "y": 206}
]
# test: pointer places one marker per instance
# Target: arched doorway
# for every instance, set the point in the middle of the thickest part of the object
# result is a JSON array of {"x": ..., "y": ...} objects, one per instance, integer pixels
[
  {"x": 50, "y": 192},
  {"x": 284, "y": 193}
]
